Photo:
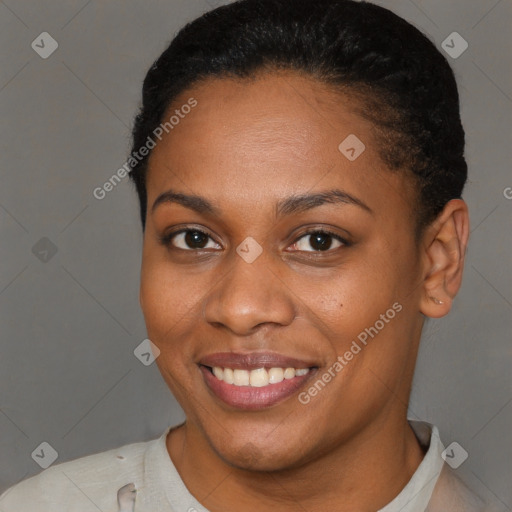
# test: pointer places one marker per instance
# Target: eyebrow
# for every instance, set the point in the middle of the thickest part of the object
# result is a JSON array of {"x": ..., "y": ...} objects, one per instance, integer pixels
[
  {"x": 288, "y": 206},
  {"x": 196, "y": 203},
  {"x": 303, "y": 202}
]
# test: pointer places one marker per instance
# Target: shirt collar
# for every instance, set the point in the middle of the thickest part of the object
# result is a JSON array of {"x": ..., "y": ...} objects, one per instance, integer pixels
[
  {"x": 164, "y": 487},
  {"x": 416, "y": 495}
]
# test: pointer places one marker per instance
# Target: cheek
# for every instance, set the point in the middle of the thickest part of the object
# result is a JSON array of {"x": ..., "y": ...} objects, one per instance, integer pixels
[
  {"x": 353, "y": 293},
  {"x": 159, "y": 300},
  {"x": 167, "y": 307},
  {"x": 166, "y": 298},
  {"x": 361, "y": 311}
]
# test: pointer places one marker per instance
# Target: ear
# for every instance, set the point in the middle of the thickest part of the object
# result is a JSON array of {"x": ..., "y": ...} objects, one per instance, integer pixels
[{"x": 444, "y": 244}]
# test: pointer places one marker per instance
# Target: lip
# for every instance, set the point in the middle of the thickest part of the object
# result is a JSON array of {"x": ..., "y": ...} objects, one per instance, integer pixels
[
  {"x": 248, "y": 397},
  {"x": 253, "y": 361}
]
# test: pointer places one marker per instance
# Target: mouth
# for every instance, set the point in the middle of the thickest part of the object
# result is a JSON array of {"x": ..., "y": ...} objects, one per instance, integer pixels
[{"x": 254, "y": 381}]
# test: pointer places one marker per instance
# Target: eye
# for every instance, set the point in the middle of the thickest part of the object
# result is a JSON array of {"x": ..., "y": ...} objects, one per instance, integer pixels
[
  {"x": 190, "y": 240},
  {"x": 319, "y": 241}
]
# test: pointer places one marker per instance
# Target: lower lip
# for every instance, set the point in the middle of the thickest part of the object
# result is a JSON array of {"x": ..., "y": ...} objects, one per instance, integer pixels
[{"x": 253, "y": 398}]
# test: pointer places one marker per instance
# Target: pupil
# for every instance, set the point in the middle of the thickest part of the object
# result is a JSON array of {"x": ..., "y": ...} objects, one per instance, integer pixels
[
  {"x": 195, "y": 238},
  {"x": 320, "y": 241}
]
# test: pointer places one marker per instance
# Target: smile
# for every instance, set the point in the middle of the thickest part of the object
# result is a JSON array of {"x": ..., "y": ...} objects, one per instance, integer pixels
[
  {"x": 257, "y": 388},
  {"x": 259, "y": 377}
]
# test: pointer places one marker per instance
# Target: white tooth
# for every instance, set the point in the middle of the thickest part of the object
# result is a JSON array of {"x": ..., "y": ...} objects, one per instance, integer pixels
[
  {"x": 240, "y": 377},
  {"x": 289, "y": 373},
  {"x": 299, "y": 372},
  {"x": 228, "y": 376},
  {"x": 275, "y": 375},
  {"x": 259, "y": 378},
  {"x": 218, "y": 372}
]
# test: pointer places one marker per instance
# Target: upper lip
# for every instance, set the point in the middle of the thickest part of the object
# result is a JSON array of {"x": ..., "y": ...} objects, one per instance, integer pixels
[{"x": 253, "y": 360}]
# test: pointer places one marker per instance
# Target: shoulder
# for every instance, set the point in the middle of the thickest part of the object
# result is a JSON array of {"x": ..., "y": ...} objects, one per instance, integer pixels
[
  {"x": 452, "y": 489},
  {"x": 87, "y": 483},
  {"x": 454, "y": 494}
]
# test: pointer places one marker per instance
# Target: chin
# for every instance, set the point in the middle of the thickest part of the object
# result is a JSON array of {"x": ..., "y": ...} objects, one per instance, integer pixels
[{"x": 261, "y": 457}]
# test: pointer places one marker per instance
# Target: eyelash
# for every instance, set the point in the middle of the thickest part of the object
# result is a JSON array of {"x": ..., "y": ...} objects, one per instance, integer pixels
[{"x": 166, "y": 239}]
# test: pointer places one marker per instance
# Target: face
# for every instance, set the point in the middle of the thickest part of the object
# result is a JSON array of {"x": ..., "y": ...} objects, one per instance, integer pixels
[{"x": 280, "y": 273}]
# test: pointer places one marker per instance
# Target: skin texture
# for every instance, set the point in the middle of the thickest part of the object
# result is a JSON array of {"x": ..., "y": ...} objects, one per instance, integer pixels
[{"x": 247, "y": 145}]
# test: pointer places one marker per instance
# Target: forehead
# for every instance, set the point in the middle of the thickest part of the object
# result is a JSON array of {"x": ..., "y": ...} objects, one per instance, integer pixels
[
  {"x": 271, "y": 112},
  {"x": 267, "y": 134}
]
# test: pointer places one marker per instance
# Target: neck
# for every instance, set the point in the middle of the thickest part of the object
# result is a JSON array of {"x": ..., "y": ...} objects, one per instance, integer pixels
[{"x": 363, "y": 474}]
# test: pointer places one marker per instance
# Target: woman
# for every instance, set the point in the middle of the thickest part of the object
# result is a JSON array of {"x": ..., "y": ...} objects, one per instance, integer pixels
[{"x": 299, "y": 167}]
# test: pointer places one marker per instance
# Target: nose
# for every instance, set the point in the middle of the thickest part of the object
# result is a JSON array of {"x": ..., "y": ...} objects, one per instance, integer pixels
[{"x": 250, "y": 295}]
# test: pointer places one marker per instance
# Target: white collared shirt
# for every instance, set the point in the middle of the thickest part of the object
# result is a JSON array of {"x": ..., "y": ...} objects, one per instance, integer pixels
[{"x": 92, "y": 482}]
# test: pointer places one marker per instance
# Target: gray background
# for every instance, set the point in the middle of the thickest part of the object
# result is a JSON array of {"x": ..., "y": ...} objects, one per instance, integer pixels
[{"x": 69, "y": 325}]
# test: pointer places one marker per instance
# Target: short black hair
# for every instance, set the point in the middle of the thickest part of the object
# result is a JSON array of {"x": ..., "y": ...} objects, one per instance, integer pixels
[{"x": 405, "y": 85}]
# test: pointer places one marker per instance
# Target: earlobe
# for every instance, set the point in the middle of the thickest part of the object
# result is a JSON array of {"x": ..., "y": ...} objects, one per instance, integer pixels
[{"x": 445, "y": 248}]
